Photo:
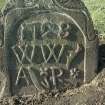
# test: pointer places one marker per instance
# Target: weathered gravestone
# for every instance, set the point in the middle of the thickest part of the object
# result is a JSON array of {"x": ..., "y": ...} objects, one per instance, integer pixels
[{"x": 48, "y": 45}]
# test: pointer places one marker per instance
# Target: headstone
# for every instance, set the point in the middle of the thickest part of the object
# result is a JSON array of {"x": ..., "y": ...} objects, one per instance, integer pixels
[{"x": 49, "y": 45}]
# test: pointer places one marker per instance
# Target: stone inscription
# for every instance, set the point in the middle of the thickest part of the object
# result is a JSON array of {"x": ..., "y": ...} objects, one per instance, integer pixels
[{"x": 46, "y": 49}]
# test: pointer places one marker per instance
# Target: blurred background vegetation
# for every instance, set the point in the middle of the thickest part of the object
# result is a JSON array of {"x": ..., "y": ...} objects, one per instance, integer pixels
[
  {"x": 2, "y": 3},
  {"x": 97, "y": 10}
]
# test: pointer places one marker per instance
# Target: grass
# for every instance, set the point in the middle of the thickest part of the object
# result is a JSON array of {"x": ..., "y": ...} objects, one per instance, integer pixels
[
  {"x": 2, "y": 3},
  {"x": 97, "y": 10}
]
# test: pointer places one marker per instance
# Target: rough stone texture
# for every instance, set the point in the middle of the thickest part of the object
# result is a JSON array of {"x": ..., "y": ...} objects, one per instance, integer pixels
[
  {"x": 1, "y": 30},
  {"x": 48, "y": 45},
  {"x": 4, "y": 78}
]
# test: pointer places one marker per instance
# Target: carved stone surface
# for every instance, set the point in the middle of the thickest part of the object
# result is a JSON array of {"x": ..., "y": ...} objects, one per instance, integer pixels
[
  {"x": 4, "y": 82},
  {"x": 49, "y": 45}
]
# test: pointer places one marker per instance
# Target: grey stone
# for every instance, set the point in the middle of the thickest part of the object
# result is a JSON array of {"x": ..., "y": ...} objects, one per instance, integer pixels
[{"x": 49, "y": 45}]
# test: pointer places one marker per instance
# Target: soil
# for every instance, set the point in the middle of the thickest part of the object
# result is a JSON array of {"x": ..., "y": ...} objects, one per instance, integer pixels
[{"x": 88, "y": 94}]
